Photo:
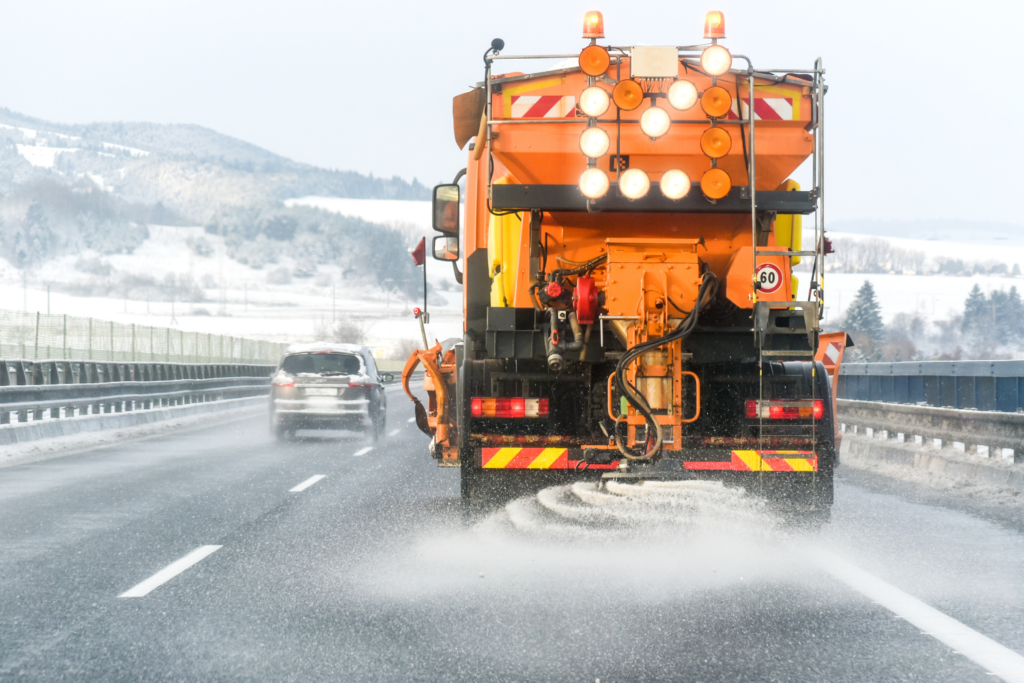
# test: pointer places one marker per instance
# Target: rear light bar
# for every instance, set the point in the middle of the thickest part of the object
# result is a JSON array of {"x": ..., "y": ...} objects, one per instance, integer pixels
[
  {"x": 786, "y": 410},
  {"x": 509, "y": 407}
]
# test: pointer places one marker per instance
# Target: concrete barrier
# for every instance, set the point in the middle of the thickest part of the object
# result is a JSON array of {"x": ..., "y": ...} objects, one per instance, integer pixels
[
  {"x": 972, "y": 470},
  {"x": 968, "y": 428}
]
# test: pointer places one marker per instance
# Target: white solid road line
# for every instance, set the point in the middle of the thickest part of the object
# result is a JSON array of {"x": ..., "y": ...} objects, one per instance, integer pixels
[
  {"x": 363, "y": 451},
  {"x": 306, "y": 484},
  {"x": 996, "y": 659},
  {"x": 170, "y": 571}
]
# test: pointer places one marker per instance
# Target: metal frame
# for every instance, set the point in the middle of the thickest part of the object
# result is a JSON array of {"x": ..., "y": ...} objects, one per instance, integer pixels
[
  {"x": 690, "y": 54},
  {"x": 568, "y": 198}
]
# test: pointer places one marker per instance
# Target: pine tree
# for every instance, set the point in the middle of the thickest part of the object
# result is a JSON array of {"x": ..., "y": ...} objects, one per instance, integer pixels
[
  {"x": 1011, "y": 319},
  {"x": 976, "y": 312},
  {"x": 864, "y": 316},
  {"x": 36, "y": 234}
]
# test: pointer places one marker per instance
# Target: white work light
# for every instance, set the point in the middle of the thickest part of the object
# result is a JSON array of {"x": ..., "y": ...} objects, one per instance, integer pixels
[
  {"x": 634, "y": 184},
  {"x": 715, "y": 60},
  {"x": 594, "y": 183},
  {"x": 654, "y": 122},
  {"x": 594, "y": 101},
  {"x": 675, "y": 184},
  {"x": 594, "y": 142},
  {"x": 682, "y": 95}
]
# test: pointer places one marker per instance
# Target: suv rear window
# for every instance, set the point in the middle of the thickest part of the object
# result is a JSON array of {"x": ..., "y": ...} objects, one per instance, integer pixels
[{"x": 322, "y": 364}]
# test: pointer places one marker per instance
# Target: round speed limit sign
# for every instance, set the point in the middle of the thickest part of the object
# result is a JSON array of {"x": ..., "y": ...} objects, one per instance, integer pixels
[{"x": 769, "y": 278}]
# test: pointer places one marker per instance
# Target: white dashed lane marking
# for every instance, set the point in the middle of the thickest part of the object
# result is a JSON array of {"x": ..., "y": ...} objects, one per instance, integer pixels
[
  {"x": 995, "y": 658},
  {"x": 170, "y": 571},
  {"x": 394, "y": 432},
  {"x": 306, "y": 484},
  {"x": 363, "y": 451},
  {"x": 412, "y": 419}
]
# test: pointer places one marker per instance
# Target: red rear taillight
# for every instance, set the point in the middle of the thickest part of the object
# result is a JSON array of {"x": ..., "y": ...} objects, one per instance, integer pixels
[
  {"x": 509, "y": 407},
  {"x": 355, "y": 385},
  {"x": 786, "y": 410},
  {"x": 284, "y": 383},
  {"x": 783, "y": 413}
]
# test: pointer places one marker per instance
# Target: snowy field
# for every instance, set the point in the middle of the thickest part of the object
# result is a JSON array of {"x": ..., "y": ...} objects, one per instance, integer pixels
[
  {"x": 256, "y": 309},
  {"x": 253, "y": 307},
  {"x": 933, "y": 296}
]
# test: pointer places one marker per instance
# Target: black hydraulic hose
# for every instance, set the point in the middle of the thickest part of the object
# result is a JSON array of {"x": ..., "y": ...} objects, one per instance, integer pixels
[
  {"x": 743, "y": 138},
  {"x": 559, "y": 273},
  {"x": 705, "y": 295}
]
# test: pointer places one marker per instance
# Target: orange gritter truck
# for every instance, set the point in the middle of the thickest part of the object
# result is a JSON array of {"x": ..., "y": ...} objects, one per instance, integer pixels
[{"x": 626, "y": 257}]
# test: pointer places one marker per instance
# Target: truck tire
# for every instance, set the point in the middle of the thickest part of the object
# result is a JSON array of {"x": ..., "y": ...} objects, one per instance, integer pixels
[{"x": 468, "y": 480}]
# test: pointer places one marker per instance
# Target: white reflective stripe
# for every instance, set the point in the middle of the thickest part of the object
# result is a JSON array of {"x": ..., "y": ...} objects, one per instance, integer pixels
[
  {"x": 565, "y": 106},
  {"x": 306, "y": 484},
  {"x": 982, "y": 650},
  {"x": 832, "y": 353},
  {"x": 742, "y": 107},
  {"x": 170, "y": 571},
  {"x": 781, "y": 106},
  {"x": 560, "y": 108},
  {"x": 523, "y": 104}
]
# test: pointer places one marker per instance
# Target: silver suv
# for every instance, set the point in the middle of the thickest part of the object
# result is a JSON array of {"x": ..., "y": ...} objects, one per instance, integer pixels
[{"x": 328, "y": 386}]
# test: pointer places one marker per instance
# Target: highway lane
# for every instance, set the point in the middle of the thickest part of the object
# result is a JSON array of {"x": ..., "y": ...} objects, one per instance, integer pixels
[{"x": 374, "y": 572}]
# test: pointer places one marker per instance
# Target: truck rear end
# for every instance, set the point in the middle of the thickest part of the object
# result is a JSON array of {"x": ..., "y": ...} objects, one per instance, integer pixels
[{"x": 631, "y": 228}]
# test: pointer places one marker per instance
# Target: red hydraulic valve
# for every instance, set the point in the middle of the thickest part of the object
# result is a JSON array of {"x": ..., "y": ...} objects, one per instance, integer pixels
[
  {"x": 554, "y": 290},
  {"x": 584, "y": 299}
]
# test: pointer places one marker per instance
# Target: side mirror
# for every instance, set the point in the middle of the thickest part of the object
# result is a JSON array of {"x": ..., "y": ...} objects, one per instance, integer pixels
[
  {"x": 387, "y": 377},
  {"x": 446, "y": 248},
  {"x": 446, "y": 209}
]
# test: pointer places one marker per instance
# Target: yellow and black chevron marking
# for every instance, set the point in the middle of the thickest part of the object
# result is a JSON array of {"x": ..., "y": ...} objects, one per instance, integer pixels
[
  {"x": 762, "y": 461},
  {"x": 525, "y": 458}
]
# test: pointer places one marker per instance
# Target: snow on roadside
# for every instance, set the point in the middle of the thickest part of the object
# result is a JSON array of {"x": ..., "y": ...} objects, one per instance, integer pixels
[
  {"x": 999, "y": 495},
  {"x": 47, "y": 449}
]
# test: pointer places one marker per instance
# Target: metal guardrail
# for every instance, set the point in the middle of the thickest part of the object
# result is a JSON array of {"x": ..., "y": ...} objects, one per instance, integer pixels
[
  {"x": 923, "y": 424},
  {"x": 63, "y": 400},
  {"x": 979, "y": 385},
  {"x": 60, "y": 388},
  {"x": 23, "y": 372}
]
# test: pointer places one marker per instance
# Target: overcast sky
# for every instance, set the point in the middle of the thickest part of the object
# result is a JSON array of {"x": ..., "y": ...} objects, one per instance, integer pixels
[{"x": 924, "y": 113}]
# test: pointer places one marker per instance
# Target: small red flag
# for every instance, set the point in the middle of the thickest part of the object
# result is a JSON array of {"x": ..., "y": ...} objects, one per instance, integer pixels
[{"x": 419, "y": 254}]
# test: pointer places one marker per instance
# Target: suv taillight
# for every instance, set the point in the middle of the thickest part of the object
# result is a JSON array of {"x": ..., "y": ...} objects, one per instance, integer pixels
[
  {"x": 786, "y": 410},
  {"x": 509, "y": 407}
]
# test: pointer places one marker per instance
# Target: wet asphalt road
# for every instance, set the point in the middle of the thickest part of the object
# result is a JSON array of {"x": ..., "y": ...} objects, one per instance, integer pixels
[{"x": 375, "y": 572}]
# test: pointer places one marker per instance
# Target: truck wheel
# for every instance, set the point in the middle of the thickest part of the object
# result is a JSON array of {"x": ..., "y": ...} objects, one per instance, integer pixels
[
  {"x": 282, "y": 433},
  {"x": 382, "y": 423},
  {"x": 468, "y": 482}
]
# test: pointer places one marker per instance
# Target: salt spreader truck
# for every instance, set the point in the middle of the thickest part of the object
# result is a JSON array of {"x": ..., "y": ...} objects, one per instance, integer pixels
[{"x": 627, "y": 259}]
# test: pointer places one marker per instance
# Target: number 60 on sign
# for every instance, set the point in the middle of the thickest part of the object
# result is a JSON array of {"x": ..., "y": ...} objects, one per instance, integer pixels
[{"x": 769, "y": 278}]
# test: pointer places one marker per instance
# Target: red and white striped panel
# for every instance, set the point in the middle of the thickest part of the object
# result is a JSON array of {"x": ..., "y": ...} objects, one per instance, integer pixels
[
  {"x": 832, "y": 353},
  {"x": 543, "y": 107},
  {"x": 767, "y": 109}
]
